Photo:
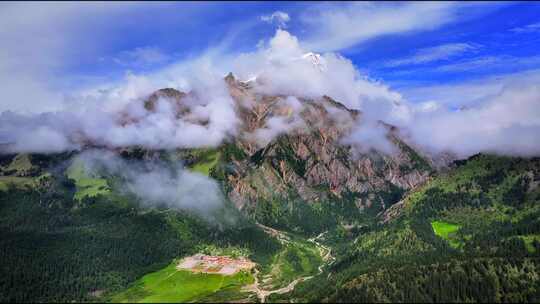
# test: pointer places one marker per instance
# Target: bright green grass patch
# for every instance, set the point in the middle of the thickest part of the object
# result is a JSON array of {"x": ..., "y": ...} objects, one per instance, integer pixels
[
  {"x": 87, "y": 186},
  {"x": 446, "y": 231},
  {"x": 13, "y": 181},
  {"x": 298, "y": 258},
  {"x": 7, "y": 182},
  {"x": 171, "y": 285},
  {"x": 206, "y": 160},
  {"x": 21, "y": 163},
  {"x": 91, "y": 187},
  {"x": 529, "y": 239}
]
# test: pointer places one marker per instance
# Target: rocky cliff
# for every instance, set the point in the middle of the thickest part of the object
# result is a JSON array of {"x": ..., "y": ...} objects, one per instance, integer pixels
[{"x": 289, "y": 163}]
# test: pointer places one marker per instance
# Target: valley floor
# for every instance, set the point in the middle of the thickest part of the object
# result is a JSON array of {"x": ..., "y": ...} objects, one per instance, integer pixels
[{"x": 299, "y": 260}]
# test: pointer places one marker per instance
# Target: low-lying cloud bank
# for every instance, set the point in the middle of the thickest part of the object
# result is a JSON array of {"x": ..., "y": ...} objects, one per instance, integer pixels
[
  {"x": 505, "y": 122},
  {"x": 118, "y": 118},
  {"x": 158, "y": 184}
]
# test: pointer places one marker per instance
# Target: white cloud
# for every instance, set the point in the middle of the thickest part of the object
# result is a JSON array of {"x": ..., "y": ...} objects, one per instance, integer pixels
[
  {"x": 436, "y": 53},
  {"x": 278, "y": 125},
  {"x": 508, "y": 123},
  {"x": 142, "y": 57},
  {"x": 531, "y": 28},
  {"x": 367, "y": 136},
  {"x": 498, "y": 115},
  {"x": 282, "y": 69},
  {"x": 40, "y": 39},
  {"x": 116, "y": 117},
  {"x": 43, "y": 41},
  {"x": 279, "y": 17},
  {"x": 55, "y": 33},
  {"x": 472, "y": 91},
  {"x": 159, "y": 184},
  {"x": 427, "y": 106},
  {"x": 334, "y": 27},
  {"x": 491, "y": 63}
]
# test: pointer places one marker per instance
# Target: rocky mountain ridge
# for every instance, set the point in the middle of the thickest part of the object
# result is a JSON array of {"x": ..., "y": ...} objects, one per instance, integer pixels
[
  {"x": 289, "y": 157},
  {"x": 289, "y": 153}
]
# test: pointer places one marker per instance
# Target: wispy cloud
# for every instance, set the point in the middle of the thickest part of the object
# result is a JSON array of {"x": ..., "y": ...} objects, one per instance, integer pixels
[
  {"x": 142, "y": 57},
  {"x": 40, "y": 40},
  {"x": 278, "y": 17},
  {"x": 158, "y": 183},
  {"x": 491, "y": 63},
  {"x": 436, "y": 53},
  {"x": 332, "y": 27},
  {"x": 281, "y": 71},
  {"x": 534, "y": 27},
  {"x": 501, "y": 116},
  {"x": 465, "y": 93}
]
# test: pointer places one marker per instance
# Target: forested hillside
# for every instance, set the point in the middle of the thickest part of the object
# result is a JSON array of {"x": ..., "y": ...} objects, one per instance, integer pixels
[
  {"x": 63, "y": 240},
  {"x": 398, "y": 227},
  {"x": 270, "y": 152},
  {"x": 470, "y": 235}
]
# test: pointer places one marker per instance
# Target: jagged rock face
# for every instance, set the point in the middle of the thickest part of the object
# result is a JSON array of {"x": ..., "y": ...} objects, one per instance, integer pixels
[
  {"x": 287, "y": 152},
  {"x": 306, "y": 162},
  {"x": 309, "y": 162},
  {"x": 167, "y": 93}
]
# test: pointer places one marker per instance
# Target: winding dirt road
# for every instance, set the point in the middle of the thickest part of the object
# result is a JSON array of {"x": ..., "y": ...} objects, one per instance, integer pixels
[
  {"x": 327, "y": 257},
  {"x": 262, "y": 294}
]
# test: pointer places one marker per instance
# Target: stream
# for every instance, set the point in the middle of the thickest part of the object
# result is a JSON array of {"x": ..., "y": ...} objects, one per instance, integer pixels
[{"x": 324, "y": 251}]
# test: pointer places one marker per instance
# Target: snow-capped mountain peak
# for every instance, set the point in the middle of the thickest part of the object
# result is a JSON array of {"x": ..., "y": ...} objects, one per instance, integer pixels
[{"x": 316, "y": 60}]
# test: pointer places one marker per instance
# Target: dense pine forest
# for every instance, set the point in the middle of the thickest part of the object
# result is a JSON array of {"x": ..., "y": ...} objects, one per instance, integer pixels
[
  {"x": 490, "y": 251},
  {"x": 55, "y": 248},
  {"x": 470, "y": 234}
]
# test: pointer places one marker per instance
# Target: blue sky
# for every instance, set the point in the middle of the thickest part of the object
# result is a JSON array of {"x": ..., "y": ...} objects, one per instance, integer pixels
[
  {"x": 80, "y": 44},
  {"x": 181, "y": 30},
  {"x": 491, "y": 29},
  {"x": 454, "y": 74},
  {"x": 493, "y": 38}
]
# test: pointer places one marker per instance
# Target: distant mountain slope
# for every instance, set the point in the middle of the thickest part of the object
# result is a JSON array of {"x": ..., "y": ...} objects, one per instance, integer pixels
[
  {"x": 289, "y": 167},
  {"x": 62, "y": 241},
  {"x": 289, "y": 162},
  {"x": 470, "y": 235}
]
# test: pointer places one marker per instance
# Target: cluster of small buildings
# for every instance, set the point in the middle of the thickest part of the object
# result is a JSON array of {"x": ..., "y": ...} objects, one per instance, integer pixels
[{"x": 224, "y": 265}]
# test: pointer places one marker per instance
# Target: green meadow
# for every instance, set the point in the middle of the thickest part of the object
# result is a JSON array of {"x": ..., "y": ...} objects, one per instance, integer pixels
[
  {"x": 206, "y": 160},
  {"x": 171, "y": 285},
  {"x": 13, "y": 181},
  {"x": 297, "y": 259},
  {"x": 446, "y": 231},
  {"x": 529, "y": 242},
  {"x": 87, "y": 186}
]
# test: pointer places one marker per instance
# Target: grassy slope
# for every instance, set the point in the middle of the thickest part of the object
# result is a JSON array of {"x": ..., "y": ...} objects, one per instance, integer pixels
[
  {"x": 498, "y": 215},
  {"x": 446, "y": 231},
  {"x": 87, "y": 186},
  {"x": 205, "y": 160},
  {"x": 297, "y": 259},
  {"x": 171, "y": 285},
  {"x": 21, "y": 163},
  {"x": 13, "y": 181},
  {"x": 43, "y": 226},
  {"x": 529, "y": 241}
]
